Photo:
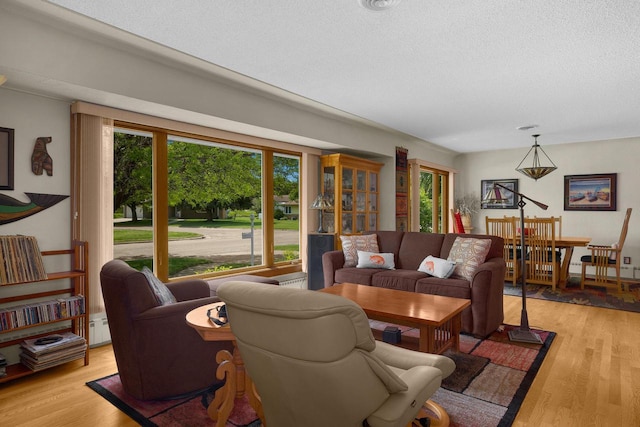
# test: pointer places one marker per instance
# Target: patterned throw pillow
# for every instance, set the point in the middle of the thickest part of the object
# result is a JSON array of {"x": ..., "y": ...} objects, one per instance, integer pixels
[
  {"x": 352, "y": 244},
  {"x": 437, "y": 267},
  {"x": 160, "y": 290},
  {"x": 468, "y": 254},
  {"x": 375, "y": 260}
]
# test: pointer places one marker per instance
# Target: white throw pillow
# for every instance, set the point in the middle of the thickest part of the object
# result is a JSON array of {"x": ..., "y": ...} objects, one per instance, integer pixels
[
  {"x": 437, "y": 267},
  {"x": 468, "y": 253},
  {"x": 360, "y": 242},
  {"x": 375, "y": 260}
]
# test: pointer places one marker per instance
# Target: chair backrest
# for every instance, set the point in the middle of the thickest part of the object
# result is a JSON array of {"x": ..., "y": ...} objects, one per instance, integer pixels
[
  {"x": 625, "y": 227},
  {"x": 506, "y": 228},
  {"x": 308, "y": 354},
  {"x": 457, "y": 222},
  {"x": 542, "y": 257},
  {"x": 558, "y": 220}
]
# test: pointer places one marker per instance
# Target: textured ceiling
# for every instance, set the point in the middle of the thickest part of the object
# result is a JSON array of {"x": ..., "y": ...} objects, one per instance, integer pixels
[{"x": 461, "y": 74}]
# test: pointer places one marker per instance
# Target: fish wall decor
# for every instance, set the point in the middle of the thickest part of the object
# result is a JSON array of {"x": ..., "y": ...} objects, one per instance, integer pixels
[{"x": 14, "y": 210}]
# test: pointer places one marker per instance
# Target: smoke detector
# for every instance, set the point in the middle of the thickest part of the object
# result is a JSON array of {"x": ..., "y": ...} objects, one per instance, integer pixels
[{"x": 378, "y": 5}]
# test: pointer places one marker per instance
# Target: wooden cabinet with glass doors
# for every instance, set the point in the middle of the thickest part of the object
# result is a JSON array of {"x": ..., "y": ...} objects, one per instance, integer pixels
[{"x": 351, "y": 185}]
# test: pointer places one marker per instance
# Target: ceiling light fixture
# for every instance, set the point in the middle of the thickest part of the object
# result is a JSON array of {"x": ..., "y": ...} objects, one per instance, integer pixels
[
  {"x": 378, "y": 5},
  {"x": 537, "y": 170}
]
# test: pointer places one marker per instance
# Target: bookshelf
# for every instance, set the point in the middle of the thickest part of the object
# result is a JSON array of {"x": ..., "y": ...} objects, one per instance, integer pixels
[{"x": 64, "y": 308}]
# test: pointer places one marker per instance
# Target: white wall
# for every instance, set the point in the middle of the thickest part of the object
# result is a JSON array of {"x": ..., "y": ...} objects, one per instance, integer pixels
[
  {"x": 621, "y": 156},
  {"x": 32, "y": 116}
]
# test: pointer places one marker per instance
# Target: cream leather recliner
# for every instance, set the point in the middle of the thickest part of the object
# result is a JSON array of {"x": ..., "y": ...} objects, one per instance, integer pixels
[{"x": 315, "y": 363}]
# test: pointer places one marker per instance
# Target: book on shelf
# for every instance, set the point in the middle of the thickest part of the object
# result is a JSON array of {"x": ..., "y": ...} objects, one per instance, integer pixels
[{"x": 41, "y": 312}]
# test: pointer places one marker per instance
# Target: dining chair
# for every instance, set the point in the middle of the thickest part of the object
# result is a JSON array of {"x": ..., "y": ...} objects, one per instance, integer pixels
[
  {"x": 506, "y": 228},
  {"x": 542, "y": 259},
  {"x": 603, "y": 258},
  {"x": 558, "y": 220}
]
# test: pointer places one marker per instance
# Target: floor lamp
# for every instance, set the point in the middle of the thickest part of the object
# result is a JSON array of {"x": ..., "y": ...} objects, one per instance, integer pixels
[{"x": 523, "y": 333}]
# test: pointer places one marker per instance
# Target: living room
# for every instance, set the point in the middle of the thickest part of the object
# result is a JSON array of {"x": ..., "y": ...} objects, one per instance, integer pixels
[{"x": 45, "y": 61}]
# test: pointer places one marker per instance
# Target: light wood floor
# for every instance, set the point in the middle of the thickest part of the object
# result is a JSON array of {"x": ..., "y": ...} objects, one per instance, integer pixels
[{"x": 591, "y": 376}]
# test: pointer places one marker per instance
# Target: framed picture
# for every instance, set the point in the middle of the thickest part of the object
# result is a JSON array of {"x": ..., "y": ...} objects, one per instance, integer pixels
[
  {"x": 6, "y": 159},
  {"x": 596, "y": 192},
  {"x": 511, "y": 202}
]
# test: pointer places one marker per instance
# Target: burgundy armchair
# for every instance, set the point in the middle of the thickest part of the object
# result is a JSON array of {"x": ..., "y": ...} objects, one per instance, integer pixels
[{"x": 157, "y": 353}]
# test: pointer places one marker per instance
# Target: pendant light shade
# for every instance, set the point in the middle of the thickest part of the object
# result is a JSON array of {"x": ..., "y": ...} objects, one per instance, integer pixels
[{"x": 537, "y": 169}]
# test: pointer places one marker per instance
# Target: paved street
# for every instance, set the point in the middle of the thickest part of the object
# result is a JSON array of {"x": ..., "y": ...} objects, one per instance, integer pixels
[{"x": 218, "y": 243}]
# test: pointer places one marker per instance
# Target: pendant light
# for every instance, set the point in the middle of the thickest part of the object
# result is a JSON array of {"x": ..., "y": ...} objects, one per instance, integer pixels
[{"x": 537, "y": 170}]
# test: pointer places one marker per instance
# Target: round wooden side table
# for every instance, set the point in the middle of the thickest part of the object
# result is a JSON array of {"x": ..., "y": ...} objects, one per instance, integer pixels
[{"x": 230, "y": 366}]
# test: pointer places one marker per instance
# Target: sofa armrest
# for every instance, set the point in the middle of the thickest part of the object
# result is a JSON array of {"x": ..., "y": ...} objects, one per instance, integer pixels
[
  {"x": 331, "y": 261},
  {"x": 189, "y": 289},
  {"x": 487, "y": 289}
]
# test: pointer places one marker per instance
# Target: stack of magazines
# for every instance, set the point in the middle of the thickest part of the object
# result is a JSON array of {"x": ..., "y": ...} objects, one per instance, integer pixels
[
  {"x": 45, "y": 352},
  {"x": 3, "y": 366}
]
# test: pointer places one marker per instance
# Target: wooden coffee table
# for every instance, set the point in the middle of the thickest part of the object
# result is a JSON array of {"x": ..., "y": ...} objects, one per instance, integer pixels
[{"x": 438, "y": 318}]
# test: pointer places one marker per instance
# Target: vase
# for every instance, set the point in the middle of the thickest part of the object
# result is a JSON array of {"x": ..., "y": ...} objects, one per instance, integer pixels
[{"x": 466, "y": 222}]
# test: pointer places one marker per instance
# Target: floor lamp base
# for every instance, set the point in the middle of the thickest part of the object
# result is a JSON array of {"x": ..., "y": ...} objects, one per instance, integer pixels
[{"x": 523, "y": 335}]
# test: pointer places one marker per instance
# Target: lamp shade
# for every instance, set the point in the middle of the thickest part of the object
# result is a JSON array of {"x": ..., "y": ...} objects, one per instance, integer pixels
[
  {"x": 537, "y": 170},
  {"x": 320, "y": 202}
]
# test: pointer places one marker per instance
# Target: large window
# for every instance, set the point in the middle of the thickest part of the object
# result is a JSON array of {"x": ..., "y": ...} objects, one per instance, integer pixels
[
  {"x": 188, "y": 205},
  {"x": 433, "y": 201}
]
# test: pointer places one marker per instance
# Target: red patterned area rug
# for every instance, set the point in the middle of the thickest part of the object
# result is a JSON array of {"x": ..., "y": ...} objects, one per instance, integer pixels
[
  {"x": 492, "y": 378},
  {"x": 185, "y": 411},
  {"x": 591, "y": 295}
]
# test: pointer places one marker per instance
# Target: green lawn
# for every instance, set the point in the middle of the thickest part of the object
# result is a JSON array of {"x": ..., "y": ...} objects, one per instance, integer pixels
[
  {"x": 176, "y": 264},
  {"x": 239, "y": 222}
]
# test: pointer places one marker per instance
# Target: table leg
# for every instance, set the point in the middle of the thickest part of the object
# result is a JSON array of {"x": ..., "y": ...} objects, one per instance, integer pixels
[
  {"x": 564, "y": 270},
  {"x": 220, "y": 407},
  {"x": 456, "y": 327},
  {"x": 426, "y": 342},
  {"x": 237, "y": 384}
]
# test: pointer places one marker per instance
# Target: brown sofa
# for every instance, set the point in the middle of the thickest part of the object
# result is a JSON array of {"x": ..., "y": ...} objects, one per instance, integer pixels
[
  {"x": 484, "y": 315},
  {"x": 158, "y": 354}
]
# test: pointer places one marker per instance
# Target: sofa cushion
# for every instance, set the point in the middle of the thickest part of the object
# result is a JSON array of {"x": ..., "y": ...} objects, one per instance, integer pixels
[
  {"x": 457, "y": 288},
  {"x": 496, "y": 251},
  {"x": 352, "y": 244},
  {"x": 416, "y": 246},
  {"x": 402, "y": 280},
  {"x": 388, "y": 241},
  {"x": 159, "y": 289},
  {"x": 468, "y": 253},
  {"x": 360, "y": 276},
  {"x": 442, "y": 268},
  {"x": 375, "y": 260}
]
